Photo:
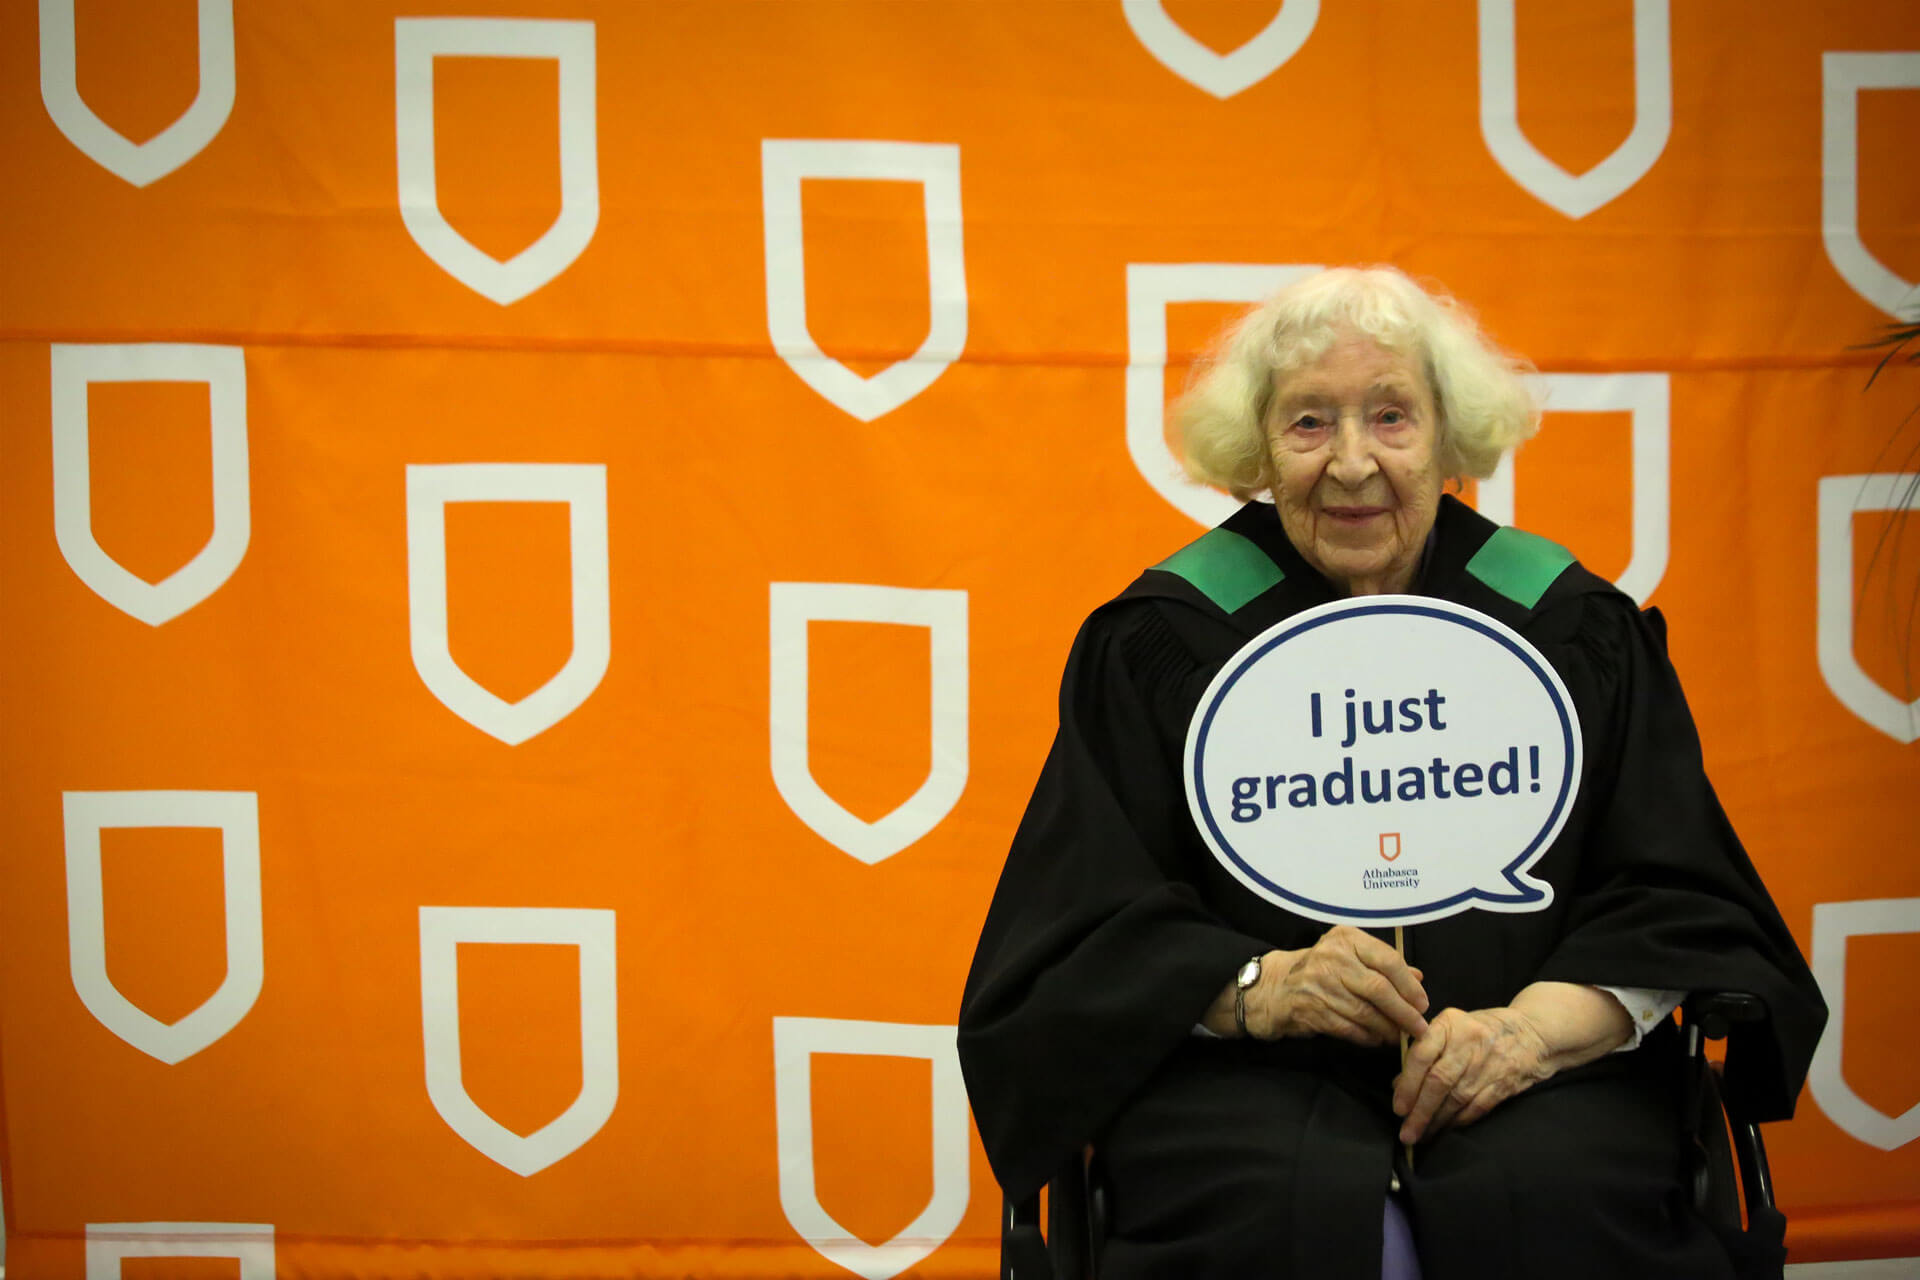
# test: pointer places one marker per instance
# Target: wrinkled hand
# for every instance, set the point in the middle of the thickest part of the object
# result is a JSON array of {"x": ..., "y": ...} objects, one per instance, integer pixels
[
  {"x": 1349, "y": 985},
  {"x": 1466, "y": 1065}
]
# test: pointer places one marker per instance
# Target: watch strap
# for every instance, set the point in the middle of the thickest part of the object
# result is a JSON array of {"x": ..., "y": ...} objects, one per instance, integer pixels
[{"x": 1240, "y": 985}]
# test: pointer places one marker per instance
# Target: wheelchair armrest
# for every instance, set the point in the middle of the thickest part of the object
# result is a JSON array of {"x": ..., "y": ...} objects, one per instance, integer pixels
[
  {"x": 1722, "y": 1135},
  {"x": 1715, "y": 1013},
  {"x": 1063, "y": 1252},
  {"x": 1023, "y": 1252}
]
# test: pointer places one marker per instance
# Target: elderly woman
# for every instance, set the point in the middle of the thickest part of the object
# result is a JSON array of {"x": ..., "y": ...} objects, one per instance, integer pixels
[{"x": 1236, "y": 1066}]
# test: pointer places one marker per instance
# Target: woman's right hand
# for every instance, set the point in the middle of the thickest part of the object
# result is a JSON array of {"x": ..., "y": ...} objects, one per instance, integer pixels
[{"x": 1349, "y": 985}]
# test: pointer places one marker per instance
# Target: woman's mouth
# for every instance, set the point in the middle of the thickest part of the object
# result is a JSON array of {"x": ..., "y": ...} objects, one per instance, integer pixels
[{"x": 1352, "y": 515}]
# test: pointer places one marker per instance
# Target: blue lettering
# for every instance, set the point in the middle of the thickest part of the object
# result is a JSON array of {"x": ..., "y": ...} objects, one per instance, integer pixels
[
  {"x": 1344, "y": 777},
  {"x": 1244, "y": 790}
]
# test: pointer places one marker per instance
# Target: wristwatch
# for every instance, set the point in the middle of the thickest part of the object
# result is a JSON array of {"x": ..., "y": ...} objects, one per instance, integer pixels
[{"x": 1244, "y": 982}]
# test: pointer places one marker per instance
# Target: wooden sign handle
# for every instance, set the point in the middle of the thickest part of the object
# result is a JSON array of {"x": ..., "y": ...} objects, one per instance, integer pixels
[{"x": 1400, "y": 945}]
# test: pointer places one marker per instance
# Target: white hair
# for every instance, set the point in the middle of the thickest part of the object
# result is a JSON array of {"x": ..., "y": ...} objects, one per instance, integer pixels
[{"x": 1481, "y": 393}]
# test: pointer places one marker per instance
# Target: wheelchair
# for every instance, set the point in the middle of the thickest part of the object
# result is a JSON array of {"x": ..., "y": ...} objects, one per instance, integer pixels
[{"x": 1732, "y": 1186}]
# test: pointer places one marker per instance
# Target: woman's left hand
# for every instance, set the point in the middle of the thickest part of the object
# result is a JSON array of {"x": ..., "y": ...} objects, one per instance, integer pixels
[{"x": 1466, "y": 1065}]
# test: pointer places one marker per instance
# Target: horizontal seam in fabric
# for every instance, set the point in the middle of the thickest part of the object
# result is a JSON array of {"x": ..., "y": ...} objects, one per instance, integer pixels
[
  {"x": 537, "y": 344},
  {"x": 582, "y": 1242}
]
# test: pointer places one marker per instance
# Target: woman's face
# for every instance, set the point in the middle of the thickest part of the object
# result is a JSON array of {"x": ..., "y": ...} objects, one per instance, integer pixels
[{"x": 1354, "y": 442}]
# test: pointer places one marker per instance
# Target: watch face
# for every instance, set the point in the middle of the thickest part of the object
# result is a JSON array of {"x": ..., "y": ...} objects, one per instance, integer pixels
[{"x": 1249, "y": 974}]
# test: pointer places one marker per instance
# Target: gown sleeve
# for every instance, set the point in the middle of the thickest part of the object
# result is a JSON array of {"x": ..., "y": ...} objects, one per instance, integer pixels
[
  {"x": 1097, "y": 958},
  {"x": 1666, "y": 895}
]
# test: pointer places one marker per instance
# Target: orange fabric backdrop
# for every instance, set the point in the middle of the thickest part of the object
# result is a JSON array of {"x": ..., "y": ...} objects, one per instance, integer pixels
[{"x": 591, "y": 733}]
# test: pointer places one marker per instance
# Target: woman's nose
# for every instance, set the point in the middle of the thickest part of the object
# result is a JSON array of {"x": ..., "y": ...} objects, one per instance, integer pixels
[{"x": 1352, "y": 457}]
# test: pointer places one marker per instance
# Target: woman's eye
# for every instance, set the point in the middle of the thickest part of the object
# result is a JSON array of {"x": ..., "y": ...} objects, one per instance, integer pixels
[
  {"x": 1307, "y": 422},
  {"x": 1393, "y": 417}
]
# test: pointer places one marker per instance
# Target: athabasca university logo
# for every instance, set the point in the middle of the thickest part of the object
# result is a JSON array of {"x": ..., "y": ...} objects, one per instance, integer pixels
[
  {"x": 416, "y": 43},
  {"x": 583, "y": 488},
  {"x": 74, "y": 368},
  {"x": 1841, "y": 497},
  {"x": 1844, "y": 77},
  {"x": 1646, "y": 397},
  {"x": 1576, "y": 195},
  {"x": 1152, "y": 287},
  {"x": 140, "y": 163},
  {"x": 250, "y": 1244},
  {"x": 591, "y": 932},
  {"x": 784, "y": 163},
  {"x": 1834, "y": 924},
  {"x": 236, "y": 815},
  {"x": 1221, "y": 74},
  {"x": 791, "y": 606},
  {"x": 795, "y": 1042}
]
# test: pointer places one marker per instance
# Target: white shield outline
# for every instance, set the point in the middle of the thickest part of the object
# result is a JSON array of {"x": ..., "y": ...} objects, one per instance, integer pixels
[
  {"x": 416, "y": 43},
  {"x": 1843, "y": 76},
  {"x": 936, "y": 167},
  {"x": 249, "y": 1243},
  {"x": 1648, "y": 398},
  {"x": 1833, "y": 924},
  {"x": 583, "y": 487},
  {"x": 1151, "y": 289},
  {"x": 236, "y": 814},
  {"x": 74, "y": 367},
  {"x": 591, "y": 931},
  {"x": 139, "y": 163},
  {"x": 795, "y": 1041},
  {"x": 1840, "y": 498},
  {"x": 791, "y": 606},
  {"x": 1222, "y": 74},
  {"x": 1576, "y": 195}
]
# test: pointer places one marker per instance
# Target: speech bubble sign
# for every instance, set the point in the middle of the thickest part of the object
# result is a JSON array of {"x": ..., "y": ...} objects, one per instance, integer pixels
[{"x": 1385, "y": 760}]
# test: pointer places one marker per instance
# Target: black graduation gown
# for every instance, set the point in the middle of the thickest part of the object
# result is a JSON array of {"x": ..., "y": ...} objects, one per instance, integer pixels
[{"x": 1113, "y": 928}]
